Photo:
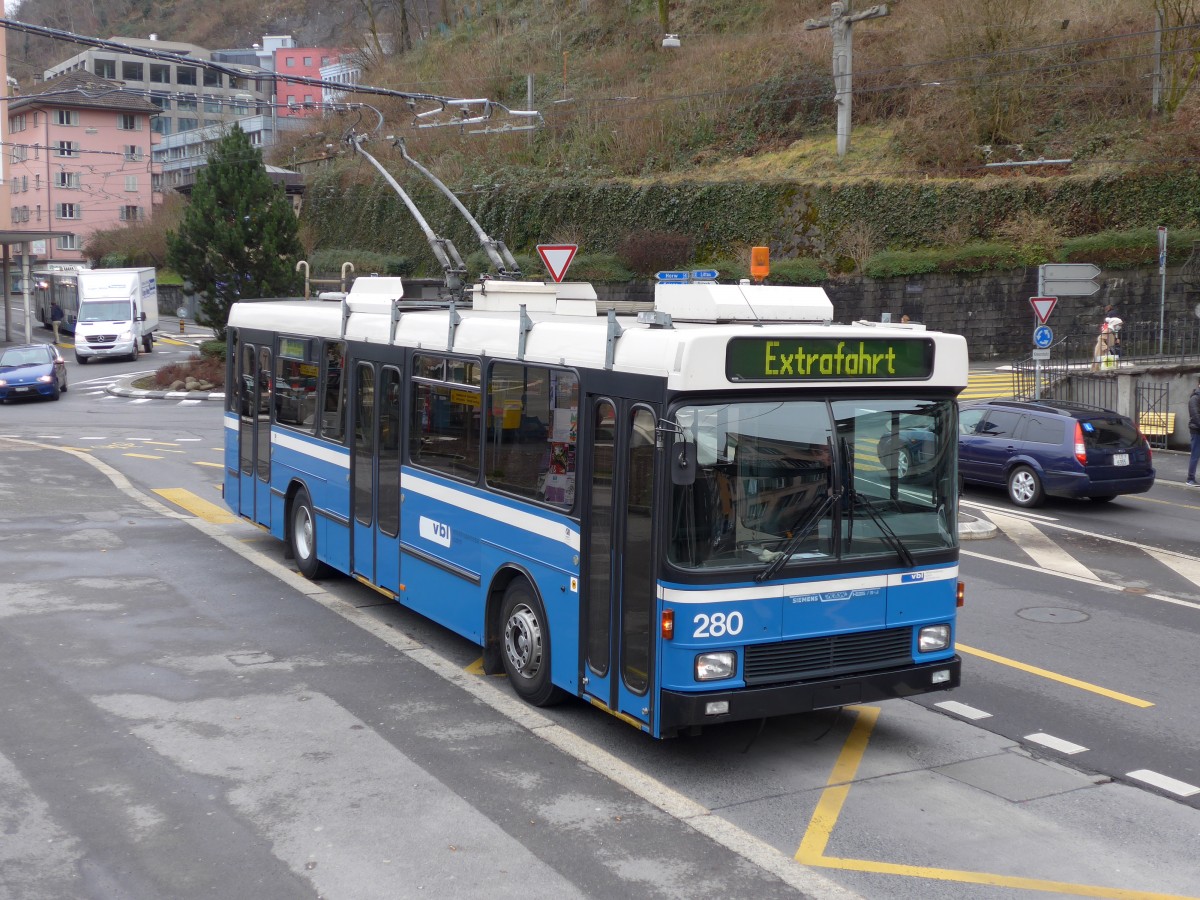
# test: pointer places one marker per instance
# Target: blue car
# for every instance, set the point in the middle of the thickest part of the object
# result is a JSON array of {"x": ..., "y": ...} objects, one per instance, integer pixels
[
  {"x": 1052, "y": 448},
  {"x": 32, "y": 370}
]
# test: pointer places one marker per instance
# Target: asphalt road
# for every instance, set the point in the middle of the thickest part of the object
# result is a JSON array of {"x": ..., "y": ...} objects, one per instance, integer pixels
[{"x": 184, "y": 716}]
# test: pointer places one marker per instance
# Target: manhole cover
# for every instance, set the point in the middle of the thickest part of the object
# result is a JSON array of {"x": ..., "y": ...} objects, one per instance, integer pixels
[{"x": 1056, "y": 614}]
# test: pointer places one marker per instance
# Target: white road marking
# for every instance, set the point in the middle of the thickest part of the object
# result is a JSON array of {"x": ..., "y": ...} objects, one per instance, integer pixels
[
  {"x": 1043, "y": 551},
  {"x": 961, "y": 709},
  {"x": 139, "y": 400},
  {"x": 190, "y": 402},
  {"x": 1009, "y": 511},
  {"x": 1187, "y": 566},
  {"x": 1049, "y": 740},
  {"x": 1174, "y": 786},
  {"x": 1101, "y": 584}
]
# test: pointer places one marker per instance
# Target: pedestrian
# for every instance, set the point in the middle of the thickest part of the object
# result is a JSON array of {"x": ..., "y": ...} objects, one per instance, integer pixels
[
  {"x": 56, "y": 317},
  {"x": 1194, "y": 429}
]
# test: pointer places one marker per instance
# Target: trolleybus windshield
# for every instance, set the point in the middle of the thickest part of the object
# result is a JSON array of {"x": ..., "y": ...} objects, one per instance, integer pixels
[{"x": 765, "y": 468}]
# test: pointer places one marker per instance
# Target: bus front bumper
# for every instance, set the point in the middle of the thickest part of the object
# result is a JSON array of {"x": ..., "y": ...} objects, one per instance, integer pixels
[{"x": 679, "y": 711}]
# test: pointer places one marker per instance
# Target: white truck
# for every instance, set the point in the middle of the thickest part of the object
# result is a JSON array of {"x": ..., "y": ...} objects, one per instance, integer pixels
[{"x": 118, "y": 313}]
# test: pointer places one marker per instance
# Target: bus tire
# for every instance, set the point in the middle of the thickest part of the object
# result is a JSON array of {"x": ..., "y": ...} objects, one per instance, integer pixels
[
  {"x": 302, "y": 537},
  {"x": 525, "y": 645}
]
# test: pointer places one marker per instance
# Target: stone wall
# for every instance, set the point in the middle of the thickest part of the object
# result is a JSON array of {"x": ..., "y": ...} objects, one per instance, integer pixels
[{"x": 992, "y": 310}]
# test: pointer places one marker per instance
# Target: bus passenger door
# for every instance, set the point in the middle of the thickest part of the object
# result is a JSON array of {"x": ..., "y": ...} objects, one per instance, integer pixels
[
  {"x": 362, "y": 494},
  {"x": 619, "y": 582},
  {"x": 254, "y": 433},
  {"x": 387, "y": 482}
]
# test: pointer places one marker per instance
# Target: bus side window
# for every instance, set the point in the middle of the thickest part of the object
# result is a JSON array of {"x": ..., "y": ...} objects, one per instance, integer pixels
[{"x": 333, "y": 404}]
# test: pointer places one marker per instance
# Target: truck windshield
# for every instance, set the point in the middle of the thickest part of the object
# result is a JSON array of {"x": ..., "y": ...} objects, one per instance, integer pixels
[
  {"x": 878, "y": 475},
  {"x": 105, "y": 311}
]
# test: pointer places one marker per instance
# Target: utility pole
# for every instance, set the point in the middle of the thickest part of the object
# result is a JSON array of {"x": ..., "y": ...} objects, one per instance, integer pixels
[
  {"x": 840, "y": 22},
  {"x": 1157, "y": 78}
]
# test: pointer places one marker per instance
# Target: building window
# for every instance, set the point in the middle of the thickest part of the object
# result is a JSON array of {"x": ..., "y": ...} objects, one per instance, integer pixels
[
  {"x": 66, "y": 117},
  {"x": 20, "y": 153},
  {"x": 308, "y": 99},
  {"x": 160, "y": 74},
  {"x": 16, "y": 123},
  {"x": 211, "y": 123},
  {"x": 211, "y": 78},
  {"x": 68, "y": 211},
  {"x": 185, "y": 105},
  {"x": 67, "y": 242},
  {"x": 129, "y": 122},
  {"x": 132, "y": 71},
  {"x": 212, "y": 104},
  {"x": 324, "y": 60},
  {"x": 237, "y": 84},
  {"x": 66, "y": 148},
  {"x": 308, "y": 60},
  {"x": 161, "y": 102},
  {"x": 131, "y": 213},
  {"x": 187, "y": 123},
  {"x": 133, "y": 152},
  {"x": 131, "y": 183},
  {"x": 68, "y": 180},
  {"x": 240, "y": 108},
  {"x": 185, "y": 75},
  {"x": 161, "y": 125},
  {"x": 291, "y": 99},
  {"x": 105, "y": 68},
  {"x": 289, "y": 62}
]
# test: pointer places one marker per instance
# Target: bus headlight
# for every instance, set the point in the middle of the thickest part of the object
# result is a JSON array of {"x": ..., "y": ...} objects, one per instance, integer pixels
[
  {"x": 716, "y": 666},
  {"x": 933, "y": 637}
]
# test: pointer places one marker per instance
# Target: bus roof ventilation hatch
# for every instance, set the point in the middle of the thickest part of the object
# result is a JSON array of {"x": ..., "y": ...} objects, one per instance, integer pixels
[
  {"x": 709, "y": 302},
  {"x": 567, "y": 299}
]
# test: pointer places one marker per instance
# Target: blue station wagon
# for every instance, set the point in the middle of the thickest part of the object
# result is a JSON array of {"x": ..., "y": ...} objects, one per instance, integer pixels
[{"x": 1039, "y": 448}]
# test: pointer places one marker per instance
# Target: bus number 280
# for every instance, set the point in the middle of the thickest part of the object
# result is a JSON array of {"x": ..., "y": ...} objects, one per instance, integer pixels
[{"x": 717, "y": 625}]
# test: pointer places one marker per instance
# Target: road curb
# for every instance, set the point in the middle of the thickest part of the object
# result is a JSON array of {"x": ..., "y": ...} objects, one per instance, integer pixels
[
  {"x": 972, "y": 528},
  {"x": 123, "y": 387}
]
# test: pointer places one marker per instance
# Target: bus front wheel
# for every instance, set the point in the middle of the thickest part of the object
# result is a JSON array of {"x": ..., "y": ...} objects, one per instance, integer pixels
[
  {"x": 302, "y": 537},
  {"x": 525, "y": 641}
]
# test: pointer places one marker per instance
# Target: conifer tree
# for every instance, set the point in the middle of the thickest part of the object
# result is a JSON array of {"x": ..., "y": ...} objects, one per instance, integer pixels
[{"x": 238, "y": 235}]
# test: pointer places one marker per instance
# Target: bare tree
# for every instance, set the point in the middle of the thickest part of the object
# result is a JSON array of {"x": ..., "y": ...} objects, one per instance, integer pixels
[{"x": 1180, "y": 57}]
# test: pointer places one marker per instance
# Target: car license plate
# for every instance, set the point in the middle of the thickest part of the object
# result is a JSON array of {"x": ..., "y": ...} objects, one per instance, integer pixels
[
  {"x": 1120, "y": 459},
  {"x": 20, "y": 390}
]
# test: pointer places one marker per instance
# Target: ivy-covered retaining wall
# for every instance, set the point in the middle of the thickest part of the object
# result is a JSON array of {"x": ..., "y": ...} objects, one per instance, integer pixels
[{"x": 350, "y": 206}]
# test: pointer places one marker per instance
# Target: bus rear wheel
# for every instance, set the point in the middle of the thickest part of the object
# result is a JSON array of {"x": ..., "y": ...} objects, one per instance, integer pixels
[
  {"x": 302, "y": 537},
  {"x": 525, "y": 645}
]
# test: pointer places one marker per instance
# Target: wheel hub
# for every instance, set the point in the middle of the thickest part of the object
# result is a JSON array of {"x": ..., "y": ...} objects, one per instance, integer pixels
[{"x": 523, "y": 642}]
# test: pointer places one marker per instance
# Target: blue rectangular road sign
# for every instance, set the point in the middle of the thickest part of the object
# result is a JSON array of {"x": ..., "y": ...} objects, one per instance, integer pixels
[
  {"x": 671, "y": 276},
  {"x": 705, "y": 274}
]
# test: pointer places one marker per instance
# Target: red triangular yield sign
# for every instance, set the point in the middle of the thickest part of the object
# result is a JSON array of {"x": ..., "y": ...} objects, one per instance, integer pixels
[
  {"x": 557, "y": 258},
  {"x": 1042, "y": 307}
]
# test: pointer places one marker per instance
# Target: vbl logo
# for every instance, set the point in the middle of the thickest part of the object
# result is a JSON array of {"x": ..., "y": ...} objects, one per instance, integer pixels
[
  {"x": 911, "y": 577},
  {"x": 438, "y": 532}
]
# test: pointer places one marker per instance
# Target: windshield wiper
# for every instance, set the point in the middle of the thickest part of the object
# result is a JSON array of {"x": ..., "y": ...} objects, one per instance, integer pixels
[
  {"x": 815, "y": 514},
  {"x": 893, "y": 540}
]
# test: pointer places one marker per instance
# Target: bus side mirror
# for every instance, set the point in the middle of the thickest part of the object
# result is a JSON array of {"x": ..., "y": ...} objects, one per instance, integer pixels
[{"x": 683, "y": 463}]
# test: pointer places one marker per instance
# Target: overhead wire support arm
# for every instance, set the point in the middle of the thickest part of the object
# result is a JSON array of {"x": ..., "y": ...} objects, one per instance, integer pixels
[
  {"x": 454, "y": 269},
  {"x": 498, "y": 253}
]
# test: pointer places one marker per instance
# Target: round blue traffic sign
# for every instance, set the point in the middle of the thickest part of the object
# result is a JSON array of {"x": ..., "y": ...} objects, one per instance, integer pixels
[{"x": 1042, "y": 336}]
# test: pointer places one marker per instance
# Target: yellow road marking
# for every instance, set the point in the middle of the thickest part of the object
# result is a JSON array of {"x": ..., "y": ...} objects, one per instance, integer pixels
[
  {"x": 162, "y": 443},
  {"x": 1163, "y": 502},
  {"x": 202, "y": 509},
  {"x": 214, "y": 465},
  {"x": 1054, "y": 676},
  {"x": 833, "y": 798},
  {"x": 141, "y": 456}
]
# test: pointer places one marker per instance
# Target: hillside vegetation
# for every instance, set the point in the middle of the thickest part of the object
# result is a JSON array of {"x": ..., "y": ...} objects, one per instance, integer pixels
[{"x": 944, "y": 90}]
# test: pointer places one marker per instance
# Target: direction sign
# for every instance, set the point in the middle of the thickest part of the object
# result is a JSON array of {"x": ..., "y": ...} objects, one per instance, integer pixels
[
  {"x": 1042, "y": 307},
  {"x": 1043, "y": 336},
  {"x": 1069, "y": 271},
  {"x": 672, "y": 276},
  {"x": 1068, "y": 279},
  {"x": 557, "y": 258},
  {"x": 704, "y": 274},
  {"x": 1041, "y": 353}
]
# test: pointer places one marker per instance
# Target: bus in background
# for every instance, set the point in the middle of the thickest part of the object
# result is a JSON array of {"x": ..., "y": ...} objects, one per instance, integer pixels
[
  {"x": 57, "y": 281},
  {"x": 726, "y": 508}
]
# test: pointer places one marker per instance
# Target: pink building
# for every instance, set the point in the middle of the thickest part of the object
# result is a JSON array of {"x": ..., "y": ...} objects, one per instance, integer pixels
[
  {"x": 295, "y": 98},
  {"x": 78, "y": 160}
]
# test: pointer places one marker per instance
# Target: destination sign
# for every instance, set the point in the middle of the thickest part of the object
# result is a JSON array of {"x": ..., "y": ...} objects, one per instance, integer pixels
[{"x": 808, "y": 359}]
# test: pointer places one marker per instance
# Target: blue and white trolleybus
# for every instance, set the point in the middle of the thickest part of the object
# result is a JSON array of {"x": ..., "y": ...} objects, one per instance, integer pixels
[{"x": 725, "y": 508}]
